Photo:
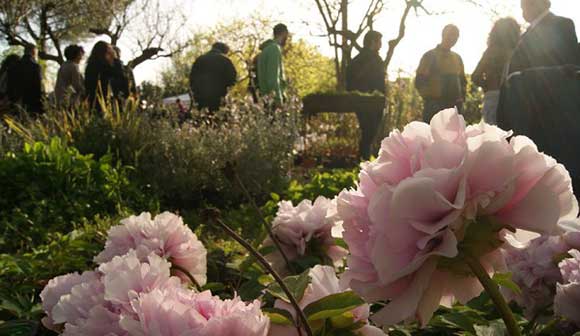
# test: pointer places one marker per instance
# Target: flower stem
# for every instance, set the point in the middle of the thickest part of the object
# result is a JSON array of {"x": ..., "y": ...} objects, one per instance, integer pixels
[
  {"x": 492, "y": 290},
  {"x": 277, "y": 277},
  {"x": 187, "y": 274},
  {"x": 264, "y": 221}
]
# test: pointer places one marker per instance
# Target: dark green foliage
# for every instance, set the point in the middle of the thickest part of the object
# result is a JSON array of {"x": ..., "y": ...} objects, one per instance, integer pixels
[{"x": 48, "y": 188}]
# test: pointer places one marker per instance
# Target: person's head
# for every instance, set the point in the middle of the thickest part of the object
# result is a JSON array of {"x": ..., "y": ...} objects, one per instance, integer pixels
[
  {"x": 31, "y": 50},
  {"x": 281, "y": 33},
  {"x": 178, "y": 101},
  {"x": 373, "y": 40},
  {"x": 504, "y": 34},
  {"x": 221, "y": 47},
  {"x": 449, "y": 37},
  {"x": 532, "y": 9},
  {"x": 74, "y": 53},
  {"x": 102, "y": 53}
]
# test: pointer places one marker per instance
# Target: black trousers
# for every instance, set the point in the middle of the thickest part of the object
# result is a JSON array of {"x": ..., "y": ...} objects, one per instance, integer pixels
[{"x": 370, "y": 123}]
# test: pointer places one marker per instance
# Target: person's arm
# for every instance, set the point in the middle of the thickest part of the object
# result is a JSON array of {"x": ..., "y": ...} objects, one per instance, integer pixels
[
  {"x": 38, "y": 79},
  {"x": 76, "y": 81},
  {"x": 423, "y": 74},
  {"x": 231, "y": 73},
  {"x": 478, "y": 76},
  {"x": 570, "y": 42},
  {"x": 463, "y": 79}
]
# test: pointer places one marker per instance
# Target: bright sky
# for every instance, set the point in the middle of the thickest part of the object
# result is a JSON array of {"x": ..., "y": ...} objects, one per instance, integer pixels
[{"x": 423, "y": 31}]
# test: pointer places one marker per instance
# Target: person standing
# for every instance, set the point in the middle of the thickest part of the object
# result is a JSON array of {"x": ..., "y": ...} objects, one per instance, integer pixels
[
  {"x": 123, "y": 81},
  {"x": 99, "y": 74},
  {"x": 501, "y": 43},
  {"x": 366, "y": 73},
  {"x": 271, "y": 79},
  {"x": 212, "y": 74},
  {"x": 7, "y": 76},
  {"x": 69, "y": 86},
  {"x": 549, "y": 41},
  {"x": 28, "y": 81},
  {"x": 440, "y": 76}
]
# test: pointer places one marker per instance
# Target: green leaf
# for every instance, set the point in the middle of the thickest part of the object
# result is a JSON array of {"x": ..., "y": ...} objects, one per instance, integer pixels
[
  {"x": 275, "y": 197},
  {"x": 279, "y": 316},
  {"x": 505, "y": 280},
  {"x": 19, "y": 328},
  {"x": 332, "y": 305},
  {"x": 495, "y": 328},
  {"x": 296, "y": 284},
  {"x": 461, "y": 321}
]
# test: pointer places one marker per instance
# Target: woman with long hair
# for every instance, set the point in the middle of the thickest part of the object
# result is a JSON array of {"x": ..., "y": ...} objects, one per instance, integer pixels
[
  {"x": 99, "y": 73},
  {"x": 501, "y": 43}
]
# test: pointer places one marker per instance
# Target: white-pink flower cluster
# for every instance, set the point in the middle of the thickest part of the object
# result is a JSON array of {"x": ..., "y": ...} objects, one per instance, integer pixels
[
  {"x": 567, "y": 300},
  {"x": 534, "y": 268},
  {"x": 132, "y": 292},
  {"x": 93, "y": 303},
  {"x": 175, "y": 311},
  {"x": 414, "y": 204},
  {"x": 324, "y": 283},
  {"x": 307, "y": 225},
  {"x": 166, "y": 235}
]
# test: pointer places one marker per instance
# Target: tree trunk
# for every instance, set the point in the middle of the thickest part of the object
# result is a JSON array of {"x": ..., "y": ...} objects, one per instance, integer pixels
[{"x": 345, "y": 50}]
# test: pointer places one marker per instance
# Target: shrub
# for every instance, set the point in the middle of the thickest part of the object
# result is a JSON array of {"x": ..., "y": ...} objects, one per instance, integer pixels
[
  {"x": 183, "y": 163},
  {"x": 49, "y": 187}
]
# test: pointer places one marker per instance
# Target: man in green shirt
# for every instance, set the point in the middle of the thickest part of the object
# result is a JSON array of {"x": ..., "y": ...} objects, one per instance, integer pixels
[{"x": 270, "y": 72}]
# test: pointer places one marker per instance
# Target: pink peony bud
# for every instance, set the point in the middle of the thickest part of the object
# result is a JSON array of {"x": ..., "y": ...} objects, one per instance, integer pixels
[
  {"x": 323, "y": 283},
  {"x": 297, "y": 227}
]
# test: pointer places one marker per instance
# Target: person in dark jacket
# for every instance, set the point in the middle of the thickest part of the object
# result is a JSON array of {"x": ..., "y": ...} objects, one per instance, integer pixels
[
  {"x": 540, "y": 96},
  {"x": 441, "y": 77},
  {"x": 123, "y": 82},
  {"x": 28, "y": 82},
  {"x": 366, "y": 73},
  {"x": 549, "y": 41},
  {"x": 99, "y": 73},
  {"x": 212, "y": 74}
]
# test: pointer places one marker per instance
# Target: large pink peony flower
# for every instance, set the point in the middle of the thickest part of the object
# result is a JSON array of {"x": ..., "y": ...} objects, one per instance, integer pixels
[
  {"x": 301, "y": 228},
  {"x": 534, "y": 268},
  {"x": 166, "y": 235},
  {"x": 176, "y": 311},
  {"x": 124, "y": 278},
  {"x": 82, "y": 310},
  {"x": 412, "y": 205},
  {"x": 57, "y": 288},
  {"x": 323, "y": 283},
  {"x": 567, "y": 300}
]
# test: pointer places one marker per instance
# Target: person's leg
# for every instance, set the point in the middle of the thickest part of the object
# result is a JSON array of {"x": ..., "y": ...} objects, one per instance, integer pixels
[
  {"x": 429, "y": 110},
  {"x": 366, "y": 129}
]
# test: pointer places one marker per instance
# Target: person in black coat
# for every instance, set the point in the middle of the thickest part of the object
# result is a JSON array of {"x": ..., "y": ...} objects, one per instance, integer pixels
[
  {"x": 99, "y": 73},
  {"x": 212, "y": 74},
  {"x": 366, "y": 73},
  {"x": 123, "y": 83},
  {"x": 541, "y": 96},
  {"x": 27, "y": 80},
  {"x": 549, "y": 41}
]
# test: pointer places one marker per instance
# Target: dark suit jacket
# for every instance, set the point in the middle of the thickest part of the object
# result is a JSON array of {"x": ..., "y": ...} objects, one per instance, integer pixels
[
  {"x": 366, "y": 73},
  {"x": 211, "y": 76},
  {"x": 28, "y": 82},
  {"x": 553, "y": 42}
]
